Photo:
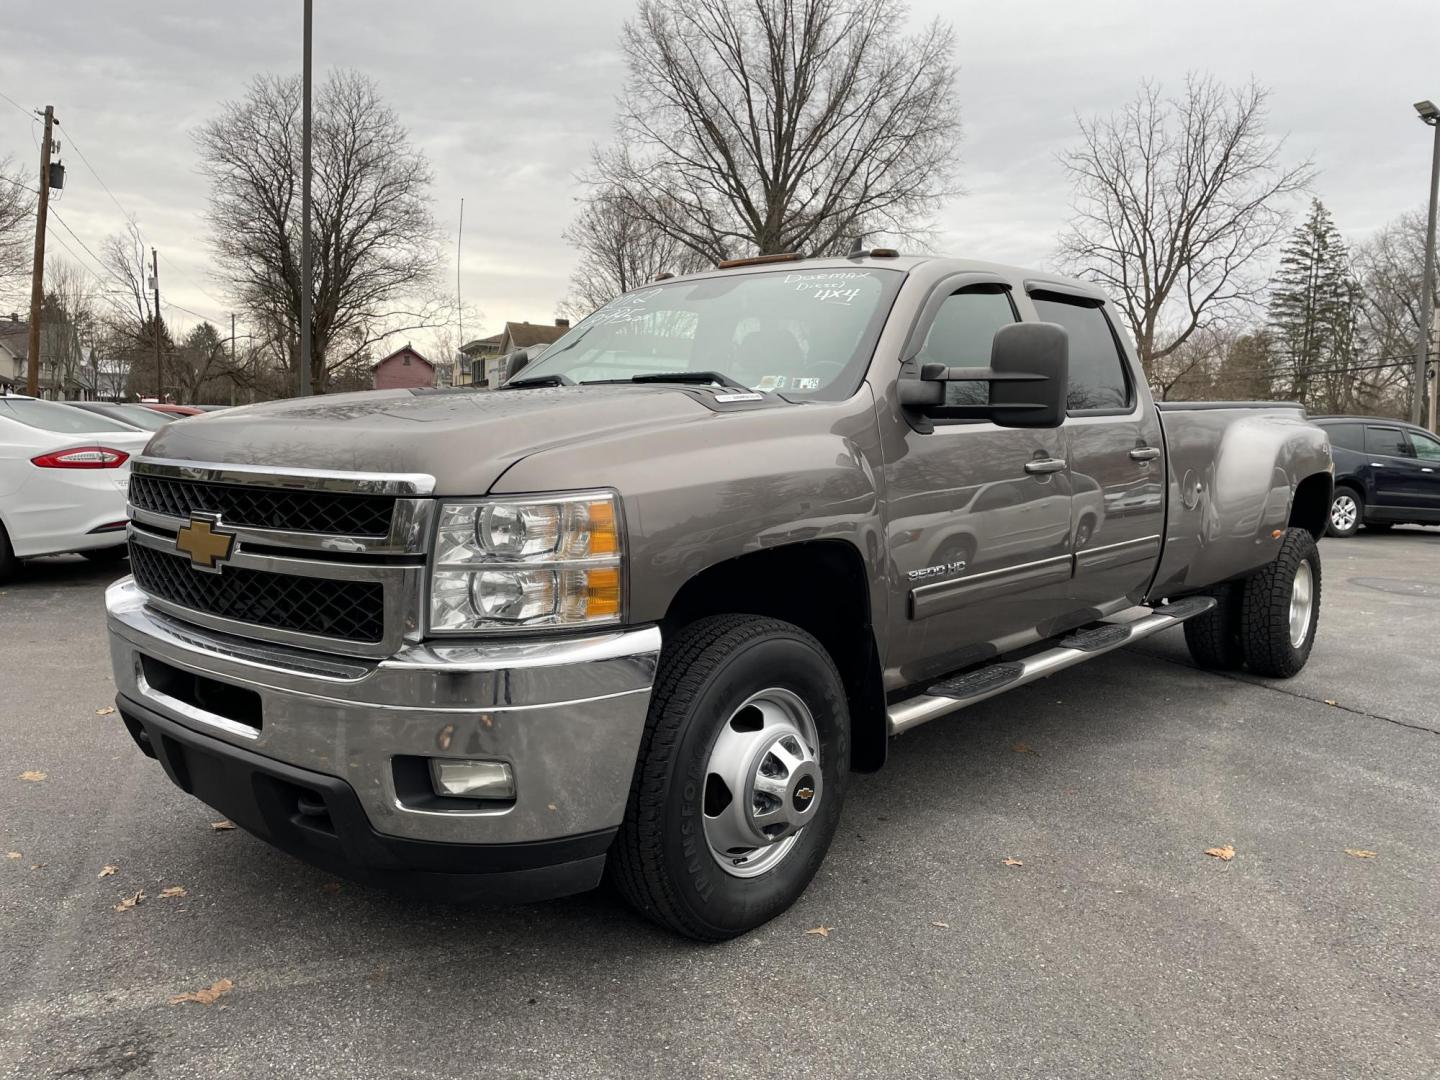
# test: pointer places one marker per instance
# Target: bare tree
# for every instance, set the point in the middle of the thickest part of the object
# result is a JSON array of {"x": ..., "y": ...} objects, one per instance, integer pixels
[
  {"x": 619, "y": 250},
  {"x": 373, "y": 233},
  {"x": 1390, "y": 266},
  {"x": 68, "y": 325},
  {"x": 781, "y": 125},
  {"x": 17, "y": 225},
  {"x": 124, "y": 255},
  {"x": 1177, "y": 203}
]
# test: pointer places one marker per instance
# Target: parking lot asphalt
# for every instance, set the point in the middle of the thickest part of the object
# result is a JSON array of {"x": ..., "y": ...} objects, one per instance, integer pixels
[{"x": 1114, "y": 946}]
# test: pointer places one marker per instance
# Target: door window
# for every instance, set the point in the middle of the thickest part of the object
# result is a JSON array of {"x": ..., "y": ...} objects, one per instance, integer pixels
[
  {"x": 1097, "y": 370},
  {"x": 1387, "y": 441},
  {"x": 1426, "y": 447},
  {"x": 961, "y": 334}
]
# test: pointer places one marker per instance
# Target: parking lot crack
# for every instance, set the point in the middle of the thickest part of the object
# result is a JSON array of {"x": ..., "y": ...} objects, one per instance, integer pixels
[{"x": 1287, "y": 692}]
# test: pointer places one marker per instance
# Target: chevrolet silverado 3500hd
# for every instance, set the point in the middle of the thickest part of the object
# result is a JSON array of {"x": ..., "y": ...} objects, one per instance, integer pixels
[{"x": 643, "y": 609}]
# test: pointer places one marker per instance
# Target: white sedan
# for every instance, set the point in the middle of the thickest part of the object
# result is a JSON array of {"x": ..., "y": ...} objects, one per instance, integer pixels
[{"x": 63, "y": 475}]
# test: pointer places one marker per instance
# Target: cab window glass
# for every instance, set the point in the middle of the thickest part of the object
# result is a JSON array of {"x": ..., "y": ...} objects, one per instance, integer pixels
[
  {"x": 961, "y": 334},
  {"x": 1347, "y": 436},
  {"x": 1388, "y": 441},
  {"x": 1097, "y": 370},
  {"x": 1426, "y": 448}
]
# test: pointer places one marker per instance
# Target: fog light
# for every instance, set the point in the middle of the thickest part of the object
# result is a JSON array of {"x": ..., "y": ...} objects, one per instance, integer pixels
[{"x": 472, "y": 779}]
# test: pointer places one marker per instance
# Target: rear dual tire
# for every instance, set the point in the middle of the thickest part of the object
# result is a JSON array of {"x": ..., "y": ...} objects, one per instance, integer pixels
[
  {"x": 1267, "y": 622},
  {"x": 748, "y": 731}
]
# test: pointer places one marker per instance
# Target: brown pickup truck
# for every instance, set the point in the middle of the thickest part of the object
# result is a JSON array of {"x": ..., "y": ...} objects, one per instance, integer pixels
[{"x": 642, "y": 610}]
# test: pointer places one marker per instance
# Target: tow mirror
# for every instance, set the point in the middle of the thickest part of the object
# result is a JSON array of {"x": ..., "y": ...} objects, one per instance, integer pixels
[
  {"x": 512, "y": 363},
  {"x": 1028, "y": 376}
]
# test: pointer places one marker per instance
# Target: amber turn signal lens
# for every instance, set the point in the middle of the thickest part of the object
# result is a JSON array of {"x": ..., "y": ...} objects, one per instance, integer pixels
[
  {"x": 602, "y": 592},
  {"x": 603, "y": 540}
]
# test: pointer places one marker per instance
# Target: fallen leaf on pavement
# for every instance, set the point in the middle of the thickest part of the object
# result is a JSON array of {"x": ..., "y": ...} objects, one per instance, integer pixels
[
  {"x": 207, "y": 996},
  {"x": 1013, "y": 862},
  {"x": 107, "y": 870},
  {"x": 821, "y": 931},
  {"x": 39, "y": 866},
  {"x": 130, "y": 901},
  {"x": 32, "y": 775},
  {"x": 173, "y": 890},
  {"x": 1360, "y": 853},
  {"x": 1331, "y": 701},
  {"x": 12, "y": 854},
  {"x": 1224, "y": 854},
  {"x": 1022, "y": 748},
  {"x": 331, "y": 887},
  {"x": 941, "y": 925},
  {"x": 221, "y": 826},
  {"x": 106, "y": 711}
]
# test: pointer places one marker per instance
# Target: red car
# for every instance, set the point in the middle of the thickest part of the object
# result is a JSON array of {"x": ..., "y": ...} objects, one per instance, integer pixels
[{"x": 174, "y": 410}]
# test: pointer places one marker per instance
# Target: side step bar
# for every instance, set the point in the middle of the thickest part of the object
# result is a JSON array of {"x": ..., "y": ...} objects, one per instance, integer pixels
[{"x": 956, "y": 693}]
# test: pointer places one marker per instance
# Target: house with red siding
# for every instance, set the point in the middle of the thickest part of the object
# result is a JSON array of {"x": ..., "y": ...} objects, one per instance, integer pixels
[{"x": 404, "y": 369}]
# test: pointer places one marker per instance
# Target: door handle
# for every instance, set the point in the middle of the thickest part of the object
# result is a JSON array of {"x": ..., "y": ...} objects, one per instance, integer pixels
[
  {"x": 1045, "y": 465},
  {"x": 1377, "y": 464},
  {"x": 1427, "y": 469},
  {"x": 1145, "y": 453}
]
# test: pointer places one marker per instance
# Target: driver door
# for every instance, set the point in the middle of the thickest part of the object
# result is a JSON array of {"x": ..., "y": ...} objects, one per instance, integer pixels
[{"x": 979, "y": 544}]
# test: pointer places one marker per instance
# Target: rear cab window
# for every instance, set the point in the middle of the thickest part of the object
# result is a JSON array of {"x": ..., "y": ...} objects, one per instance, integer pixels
[{"x": 1099, "y": 379}]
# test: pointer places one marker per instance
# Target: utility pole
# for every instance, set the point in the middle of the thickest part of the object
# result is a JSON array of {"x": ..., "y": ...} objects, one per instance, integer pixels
[
  {"x": 305, "y": 268},
  {"x": 1431, "y": 115},
  {"x": 155, "y": 325},
  {"x": 1434, "y": 379},
  {"x": 232, "y": 358},
  {"x": 459, "y": 303},
  {"x": 37, "y": 271}
]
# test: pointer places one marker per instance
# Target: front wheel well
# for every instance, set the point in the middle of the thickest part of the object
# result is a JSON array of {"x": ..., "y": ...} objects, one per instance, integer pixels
[
  {"x": 820, "y": 586},
  {"x": 1310, "y": 507}
]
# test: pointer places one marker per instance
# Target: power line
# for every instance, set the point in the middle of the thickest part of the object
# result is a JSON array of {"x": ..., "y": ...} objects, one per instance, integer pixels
[{"x": 17, "y": 105}]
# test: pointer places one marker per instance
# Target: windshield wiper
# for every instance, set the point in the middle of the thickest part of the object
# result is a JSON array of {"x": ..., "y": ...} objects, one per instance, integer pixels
[
  {"x": 540, "y": 380},
  {"x": 703, "y": 377}
]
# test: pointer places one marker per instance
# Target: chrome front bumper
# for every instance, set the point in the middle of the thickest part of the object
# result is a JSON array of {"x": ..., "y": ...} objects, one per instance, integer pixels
[{"x": 566, "y": 714}]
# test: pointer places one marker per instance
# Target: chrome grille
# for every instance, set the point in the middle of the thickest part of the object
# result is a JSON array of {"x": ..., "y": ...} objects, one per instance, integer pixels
[
  {"x": 326, "y": 512},
  {"x": 344, "y": 610}
]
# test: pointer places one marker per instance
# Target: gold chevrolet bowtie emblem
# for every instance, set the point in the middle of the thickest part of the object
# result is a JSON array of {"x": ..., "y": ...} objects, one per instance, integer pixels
[{"x": 205, "y": 546}]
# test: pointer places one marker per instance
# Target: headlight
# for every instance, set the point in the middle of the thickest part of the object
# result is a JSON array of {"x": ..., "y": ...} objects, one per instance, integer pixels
[{"x": 509, "y": 563}]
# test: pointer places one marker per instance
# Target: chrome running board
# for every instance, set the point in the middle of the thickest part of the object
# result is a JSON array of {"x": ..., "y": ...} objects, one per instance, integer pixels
[{"x": 958, "y": 692}]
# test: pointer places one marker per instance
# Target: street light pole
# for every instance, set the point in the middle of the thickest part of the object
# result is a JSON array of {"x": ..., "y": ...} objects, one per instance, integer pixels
[
  {"x": 305, "y": 268},
  {"x": 1429, "y": 113}
]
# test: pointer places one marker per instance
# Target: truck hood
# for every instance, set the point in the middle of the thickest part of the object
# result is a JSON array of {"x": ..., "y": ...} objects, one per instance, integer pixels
[{"x": 464, "y": 438}]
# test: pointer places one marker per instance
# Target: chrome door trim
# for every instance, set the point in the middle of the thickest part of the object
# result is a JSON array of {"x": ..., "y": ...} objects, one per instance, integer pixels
[
  {"x": 1138, "y": 549},
  {"x": 292, "y": 479},
  {"x": 939, "y": 597}
]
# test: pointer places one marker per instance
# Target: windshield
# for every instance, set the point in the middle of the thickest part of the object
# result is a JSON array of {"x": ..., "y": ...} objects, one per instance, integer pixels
[
  {"x": 801, "y": 332},
  {"x": 48, "y": 416}
]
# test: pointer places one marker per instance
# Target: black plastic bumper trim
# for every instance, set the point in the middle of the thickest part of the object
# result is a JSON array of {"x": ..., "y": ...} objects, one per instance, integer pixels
[{"x": 318, "y": 818}]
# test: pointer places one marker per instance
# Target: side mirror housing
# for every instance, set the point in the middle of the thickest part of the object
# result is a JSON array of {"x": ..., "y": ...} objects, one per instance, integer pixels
[
  {"x": 512, "y": 363},
  {"x": 1029, "y": 376}
]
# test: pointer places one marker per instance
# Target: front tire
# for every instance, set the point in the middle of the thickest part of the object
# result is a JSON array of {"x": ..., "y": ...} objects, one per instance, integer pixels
[
  {"x": 1347, "y": 511},
  {"x": 1280, "y": 608},
  {"x": 740, "y": 779},
  {"x": 8, "y": 562}
]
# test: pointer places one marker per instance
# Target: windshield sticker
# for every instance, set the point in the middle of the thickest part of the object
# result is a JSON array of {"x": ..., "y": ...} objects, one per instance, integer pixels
[
  {"x": 772, "y": 382},
  {"x": 840, "y": 287},
  {"x": 807, "y": 384},
  {"x": 627, "y": 308}
]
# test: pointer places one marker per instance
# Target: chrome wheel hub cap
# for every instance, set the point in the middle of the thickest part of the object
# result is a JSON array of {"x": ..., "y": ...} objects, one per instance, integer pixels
[
  {"x": 1344, "y": 512},
  {"x": 762, "y": 782},
  {"x": 1302, "y": 600}
]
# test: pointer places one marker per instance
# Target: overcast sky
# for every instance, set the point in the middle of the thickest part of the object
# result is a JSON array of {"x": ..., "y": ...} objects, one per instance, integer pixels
[{"x": 506, "y": 99}]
